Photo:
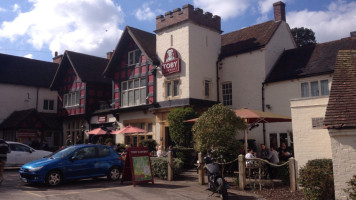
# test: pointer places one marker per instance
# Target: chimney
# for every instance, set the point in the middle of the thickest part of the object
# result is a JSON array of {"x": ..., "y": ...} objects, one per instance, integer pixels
[
  {"x": 353, "y": 34},
  {"x": 279, "y": 11},
  {"x": 109, "y": 55},
  {"x": 57, "y": 58}
]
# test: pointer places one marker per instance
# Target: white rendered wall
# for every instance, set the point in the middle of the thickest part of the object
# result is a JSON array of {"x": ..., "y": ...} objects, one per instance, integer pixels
[
  {"x": 309, "y": 143},
  {"x": 281, "y": 40},
  {"x": 204, "y": 49},
  {"x": 198, "y": 48},
  {"x": 20, "y": 97},
  {"x": 343, "y": 145},
  {"x": 278, "y": 96},
  {"x": 181, "y": 44}
]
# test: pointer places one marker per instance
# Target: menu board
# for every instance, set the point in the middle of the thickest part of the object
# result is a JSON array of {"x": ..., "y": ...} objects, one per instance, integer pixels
[{"x": 137, "y": 166}]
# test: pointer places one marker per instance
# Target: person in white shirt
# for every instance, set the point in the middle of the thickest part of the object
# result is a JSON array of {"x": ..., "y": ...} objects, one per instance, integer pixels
[{"x": 250, "y": 154}]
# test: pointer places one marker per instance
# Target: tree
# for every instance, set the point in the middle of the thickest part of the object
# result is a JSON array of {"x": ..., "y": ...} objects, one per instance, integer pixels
[
  {"x": 217, "y": 127},
  {"x": 303, "y": 36},
  {"x": 179, "y": 131}
]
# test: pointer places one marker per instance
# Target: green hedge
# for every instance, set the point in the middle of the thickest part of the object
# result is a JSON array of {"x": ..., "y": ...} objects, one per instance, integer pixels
[
  {"x": 352, "y": 188},
  {"x": 187, "y": 155},
  {"x": 316, "y": 179},
  {"x": 160, "y": 167}
]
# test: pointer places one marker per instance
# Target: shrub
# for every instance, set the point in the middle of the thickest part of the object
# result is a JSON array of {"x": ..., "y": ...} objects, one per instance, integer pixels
[
  {"x": 151, "y": 144},
  {"x": 180, "y": 132},
  {"x": 186, "y": 155},
  {"x": 160, "y": 167},
  {"x": 120, "y": 147},
  {"x": 352, "y": 188},
  {"x": 316, "y": 178}
]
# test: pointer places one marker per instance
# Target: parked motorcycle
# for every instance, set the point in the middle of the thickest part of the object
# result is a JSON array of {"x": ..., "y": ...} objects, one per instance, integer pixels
[{"x": 215, "y": 181}]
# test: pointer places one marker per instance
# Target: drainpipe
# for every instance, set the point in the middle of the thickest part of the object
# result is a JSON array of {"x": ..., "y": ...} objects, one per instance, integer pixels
[
  {"x": 263, "y": 109},
  {"x": 217, "y": 80},
  {"x": 37, "y": 99}
]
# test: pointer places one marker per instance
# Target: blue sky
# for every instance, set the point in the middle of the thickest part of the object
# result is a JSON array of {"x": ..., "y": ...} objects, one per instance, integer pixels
[{"x": 37, "y": 28}]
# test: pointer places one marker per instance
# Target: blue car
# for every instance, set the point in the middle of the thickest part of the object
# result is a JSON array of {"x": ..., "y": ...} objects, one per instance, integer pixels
[{"x": 74, "y": 162}]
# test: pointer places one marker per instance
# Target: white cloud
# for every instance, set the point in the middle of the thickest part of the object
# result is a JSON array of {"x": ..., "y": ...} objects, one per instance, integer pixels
[
  {"x": 265, "y": 6},
  {"x": 15, "y": 8},
  {"x": 145, "y": 13},
  {"x": 2, "y": 9},
  {"x": 28, "y": 56},
  {"x": 334, "y": 23},
  {"x": 224, "y": 8},
  {"x": 87, "y": 26}
]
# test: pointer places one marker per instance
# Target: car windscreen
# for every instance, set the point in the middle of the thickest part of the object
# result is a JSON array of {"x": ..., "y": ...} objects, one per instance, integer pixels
[{"x": 64, "y": 152}]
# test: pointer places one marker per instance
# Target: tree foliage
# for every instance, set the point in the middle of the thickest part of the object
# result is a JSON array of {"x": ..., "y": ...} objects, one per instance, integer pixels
[
  {"x": 217, "y": 127},
  {"x": 303, "y": 36},
  {"x": 179, "y": 131}
]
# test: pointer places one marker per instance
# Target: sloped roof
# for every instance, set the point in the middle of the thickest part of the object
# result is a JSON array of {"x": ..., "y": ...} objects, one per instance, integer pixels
[
  {"x": 89, "y": 68},
  {"x": 341, "y": 110},
  {"x": 248, "y": 39},
  {"x": 50, "y": 120},
  {"x": 25, "y": 71},
  {"x": 144, "y": 40},
  {"x": 309, "y": 61}
]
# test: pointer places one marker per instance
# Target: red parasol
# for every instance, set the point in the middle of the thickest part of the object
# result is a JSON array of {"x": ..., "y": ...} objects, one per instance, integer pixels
[
  {"x": 129, "y": 129},
  {"x": 98, "y": 131}
]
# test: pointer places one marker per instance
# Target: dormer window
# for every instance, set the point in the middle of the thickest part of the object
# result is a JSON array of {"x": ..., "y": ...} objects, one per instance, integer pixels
[{"x": 133, "y": 57}]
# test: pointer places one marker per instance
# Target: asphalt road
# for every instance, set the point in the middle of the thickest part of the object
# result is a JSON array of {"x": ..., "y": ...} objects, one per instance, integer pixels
[{"x": 185, "y": 187}]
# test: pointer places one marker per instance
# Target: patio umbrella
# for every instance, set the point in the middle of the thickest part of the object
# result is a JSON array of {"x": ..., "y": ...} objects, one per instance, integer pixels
[
  {"x": 129, "y": 129},
  {"x": 98, "y": 131},
  {"x": 251, "y": 117}
]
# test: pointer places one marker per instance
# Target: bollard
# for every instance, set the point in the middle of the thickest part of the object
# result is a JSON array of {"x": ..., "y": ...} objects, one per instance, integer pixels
[
  {"x": 170, "y": 166},
  {"x": 201, "y": 169},
  {"x": 242, "y": 172},
  {"x": 292, "y": 174}
]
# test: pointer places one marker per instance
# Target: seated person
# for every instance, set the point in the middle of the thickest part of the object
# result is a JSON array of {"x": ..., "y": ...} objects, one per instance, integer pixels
[
  {"x": 250, "y": 154},
  {"x": 160, "y": 151},
  {"x": 284, "y": 152},
  {"x": 264, "y": 153},
  {"x": 273, "y": 156}
]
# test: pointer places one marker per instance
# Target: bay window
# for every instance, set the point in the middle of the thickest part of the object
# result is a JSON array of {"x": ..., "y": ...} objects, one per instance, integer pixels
[{"x": 133, "y": 92}]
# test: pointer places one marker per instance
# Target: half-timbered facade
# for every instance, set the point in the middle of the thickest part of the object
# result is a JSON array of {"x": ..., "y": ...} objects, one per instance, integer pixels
[{"x": 81, "y": 91}]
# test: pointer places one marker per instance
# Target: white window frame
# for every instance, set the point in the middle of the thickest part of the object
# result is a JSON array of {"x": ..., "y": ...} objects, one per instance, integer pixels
[
  {"x": 48, "y": 107},
  {"x": 318, "y": 91},
  {"x": 71, "y": 99},
  {"x": 132, "y": 54},
  {"x": 138, "y": 91},
  {"x": 227, "y": 92},
  {"x": 207, "y": 88},
  {"x": 172, "y": 88}
]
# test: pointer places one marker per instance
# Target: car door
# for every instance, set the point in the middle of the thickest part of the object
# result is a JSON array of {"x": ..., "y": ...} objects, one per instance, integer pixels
[
  {"x": 82, "y": 163},
  {"x": 103, "y": 163},
  {"x": 20, "y": 154}
]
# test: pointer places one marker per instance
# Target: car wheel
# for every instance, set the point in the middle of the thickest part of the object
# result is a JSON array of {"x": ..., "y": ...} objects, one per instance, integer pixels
[
  {"x": 53, "y": 178},
  {"x": 114, "y": 174}
]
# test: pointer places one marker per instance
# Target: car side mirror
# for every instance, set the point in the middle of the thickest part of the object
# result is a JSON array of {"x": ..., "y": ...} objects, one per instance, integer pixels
[{"x": 31, "y": 150}]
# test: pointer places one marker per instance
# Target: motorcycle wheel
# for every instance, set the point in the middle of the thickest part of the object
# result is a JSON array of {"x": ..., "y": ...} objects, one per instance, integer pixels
[{"x": 222, "y": 189}]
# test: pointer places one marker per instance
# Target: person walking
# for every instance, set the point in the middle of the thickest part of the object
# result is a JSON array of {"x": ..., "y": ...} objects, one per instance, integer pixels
[{"x": 4, "y": 150}]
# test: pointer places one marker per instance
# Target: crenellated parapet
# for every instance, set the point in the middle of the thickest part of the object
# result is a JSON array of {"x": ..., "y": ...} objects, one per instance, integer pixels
[{"x": 188, "y": 13}]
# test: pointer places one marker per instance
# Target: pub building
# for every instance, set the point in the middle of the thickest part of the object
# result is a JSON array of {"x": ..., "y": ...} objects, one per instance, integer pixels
[
  {"x": 182, "y": 64},
  {"x": 186, "y": 62}
]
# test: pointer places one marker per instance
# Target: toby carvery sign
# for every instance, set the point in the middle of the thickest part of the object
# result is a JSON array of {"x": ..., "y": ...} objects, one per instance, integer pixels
[{"x": 171, "y": 63}]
